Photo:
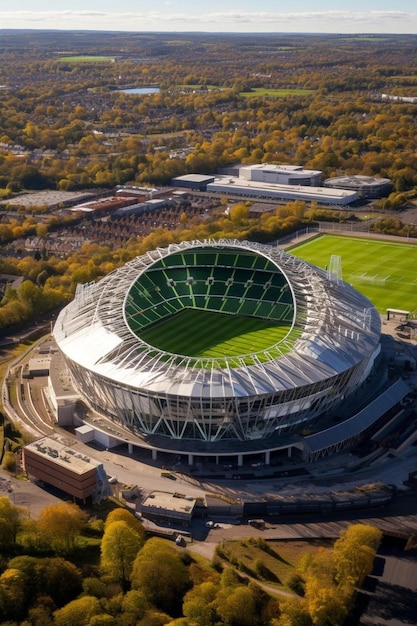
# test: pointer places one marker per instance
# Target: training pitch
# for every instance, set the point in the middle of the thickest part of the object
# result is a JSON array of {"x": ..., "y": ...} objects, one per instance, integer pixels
[{"x": 384, "y": 272}]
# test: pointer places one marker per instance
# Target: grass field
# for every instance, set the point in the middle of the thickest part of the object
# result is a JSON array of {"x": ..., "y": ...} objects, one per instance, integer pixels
[
  {"x": 208, "y": 334},
  {"x": 280, "y": 559},
  {"x": 384, "y": 272},
  {"x": 86, "y": 59},
  {"x": 275, "y": 93}
]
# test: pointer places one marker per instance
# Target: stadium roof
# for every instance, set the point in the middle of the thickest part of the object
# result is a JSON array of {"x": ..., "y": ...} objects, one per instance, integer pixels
[
  {"x": 339, "y": 328},
  {"x": 357, "y": 424}
]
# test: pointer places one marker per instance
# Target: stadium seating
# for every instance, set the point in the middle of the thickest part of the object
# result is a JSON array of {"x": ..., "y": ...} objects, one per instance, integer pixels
[{"x": 229, "y": 282}]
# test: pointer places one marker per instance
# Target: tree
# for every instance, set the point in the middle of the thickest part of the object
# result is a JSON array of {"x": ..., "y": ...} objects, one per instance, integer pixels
[
  {"x": 236, "y": 607},
  {"x": 27, "y": 566},
  {"x": 354, "y": 553},
  {"x": 199, "y": 604},
  {"x": 267, "y": 607},
  {"x": 78, "y": 612},
  {"x": 119, "y": 547},
  {"x": 102, "y": 620},
  {"x": 30, "y": 295},
  {"x": 59, "y": 579},
  {"x": 41, "y": 614},
  {"x": 159, "y": 572},
  {"x": 154, "y": 618},
  {"x": 239, "y": 213},
  {"x": 326, "y": 604},
  {"x": 60, "y": 525},
  {"x": 12, "y": 594},
  {"x": 135, "y": 605},
  {"x": 11, "y": 518},
  {"x": 293, "y": 613},
  {"x": 229, "y": 578},
  {"x": 122, "y": 515}
]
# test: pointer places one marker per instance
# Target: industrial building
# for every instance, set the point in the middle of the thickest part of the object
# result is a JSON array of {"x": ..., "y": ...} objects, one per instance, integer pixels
[
  {"x": 229, "y": 186},
  {"x": 281, "y": 174},
  {"x": 372, "y": 187},
  {"x": 196, "y": 182},
  {"x": 270, "y": 182}
]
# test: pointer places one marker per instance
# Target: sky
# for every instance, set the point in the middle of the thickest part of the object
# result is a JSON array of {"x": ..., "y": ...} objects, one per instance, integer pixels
[{"x": 299, "y": 16}]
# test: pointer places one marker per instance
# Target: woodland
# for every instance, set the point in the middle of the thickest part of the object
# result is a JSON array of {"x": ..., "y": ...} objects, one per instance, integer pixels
[
  {"x": 66, "y": 123},
  {"x": 67, "y": 568}
]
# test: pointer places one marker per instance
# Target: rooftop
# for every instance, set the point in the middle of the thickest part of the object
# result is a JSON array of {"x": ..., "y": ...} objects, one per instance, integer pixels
[
  {"x": 62, "y": 455},
  {"x": 275, "y": 188},
  {"x": 170, "y": 502},
  {"x": 273, "y": 167}
]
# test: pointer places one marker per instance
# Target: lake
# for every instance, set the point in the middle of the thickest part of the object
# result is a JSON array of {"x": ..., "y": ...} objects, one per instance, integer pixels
[{"x": 141, "y": 90}]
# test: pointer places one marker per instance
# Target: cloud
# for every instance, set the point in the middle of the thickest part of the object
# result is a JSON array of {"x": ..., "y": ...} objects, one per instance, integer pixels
[{"x": 234, "y": 20}]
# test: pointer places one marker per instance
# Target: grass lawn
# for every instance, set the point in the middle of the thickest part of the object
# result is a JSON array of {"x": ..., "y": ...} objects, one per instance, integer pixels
[
  {"x": 208, "y": 334},
  {"x": 86, "y": 59},
  {"x": 384, "y": 272},
  {"x": 259, "y": 92},
  {"x": 280, "y": 559}
]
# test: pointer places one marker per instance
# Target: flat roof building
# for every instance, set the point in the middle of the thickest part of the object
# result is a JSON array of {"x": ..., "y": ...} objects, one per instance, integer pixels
[
  {"x": 197, "y": 182},
  {"x": 365, "y": 186},
  {"x": 280, "y": 174},
  {"x": 253, "y": 189},
  {"x": 66, "y": 469},
  {"x": 163, "y": 506}
]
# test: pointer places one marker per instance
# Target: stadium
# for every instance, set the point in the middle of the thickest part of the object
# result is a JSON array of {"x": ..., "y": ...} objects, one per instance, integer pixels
[{"x": 218, "y": 347}]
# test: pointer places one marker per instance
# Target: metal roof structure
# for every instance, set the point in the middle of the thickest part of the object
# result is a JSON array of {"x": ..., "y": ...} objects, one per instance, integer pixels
[
  {"x": 352, "y": 428},
  {"x": 339, "y": 328},
  {"x": 257, "y": 189}
]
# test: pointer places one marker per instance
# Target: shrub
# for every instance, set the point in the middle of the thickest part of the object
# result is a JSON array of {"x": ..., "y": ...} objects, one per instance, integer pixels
[{"x": 296, "y": 583}]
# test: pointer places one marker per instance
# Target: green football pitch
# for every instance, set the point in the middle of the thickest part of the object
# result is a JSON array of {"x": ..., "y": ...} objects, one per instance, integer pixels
[
  {"x": 384, "y": 272},
  {"x": 212, "y": 335}
]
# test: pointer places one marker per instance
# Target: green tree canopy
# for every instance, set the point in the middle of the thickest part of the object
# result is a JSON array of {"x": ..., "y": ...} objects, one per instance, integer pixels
[
  {"x": 60, "y": 526},
  {"x": 119, "y": 547},
  {"x": 199, "y": 604},
  {"x": 11, "y": 518},
  {"x": 78, "y": 612},
  {"x": 122, "y": 515},
  {"x": 160, "y": 573},
  {"x": 354, "y": 553}
]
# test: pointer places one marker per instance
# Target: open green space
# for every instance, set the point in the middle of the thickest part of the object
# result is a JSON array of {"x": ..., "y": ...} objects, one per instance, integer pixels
[
  {"x": 208, "y": 334},
  {"x": 385, "y": 272},
  {"x": 85, "y": 58},
  {"x": 199, "y": 87},
  {"x": 260, "y": 92},
  {"x": 278, "y": 559}
]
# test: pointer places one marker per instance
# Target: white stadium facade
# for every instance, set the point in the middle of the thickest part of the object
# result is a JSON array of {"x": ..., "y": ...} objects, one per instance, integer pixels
[{"x": 251, "y": 403}]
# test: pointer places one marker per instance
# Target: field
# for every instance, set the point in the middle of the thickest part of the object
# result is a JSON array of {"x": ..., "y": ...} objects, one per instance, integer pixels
[
  {"x": 208, "y": 334},
  {"x": 275, "y": 93},
  {"x": 279, "y": 559},
  {"x": 384, "y": 272},
  {"x": 86, "y": 59}
]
